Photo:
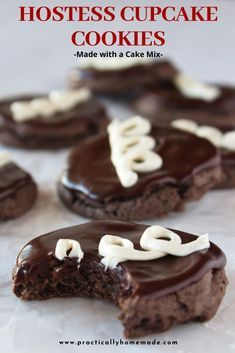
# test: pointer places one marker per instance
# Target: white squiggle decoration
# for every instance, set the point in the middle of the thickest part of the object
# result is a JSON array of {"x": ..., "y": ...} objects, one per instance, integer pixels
[
  {"x": 5, "y": 158},
  {"x": 63, "y": 246},
  {"x": 214, "y": 135},
  {"x": 229, "y": 141},
  {"x": 57, "y": 101},
  {"x": 111, "y": 64},
  {"x": 131, "y": 150},
  {"x": 116, "y": 249},
  {"x": 192, "y": 88}
]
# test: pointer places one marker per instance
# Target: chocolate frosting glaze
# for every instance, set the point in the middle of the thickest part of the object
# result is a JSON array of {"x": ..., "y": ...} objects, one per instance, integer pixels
[
  {"x": 91, "y": 171},
  {"x": 168, "y": 97},
  {"x": 11, "y": 177},
  {"x": 165, "y": 104},
  {"x": 68, "y": 122},
  {"x": 161, "y": 277}
]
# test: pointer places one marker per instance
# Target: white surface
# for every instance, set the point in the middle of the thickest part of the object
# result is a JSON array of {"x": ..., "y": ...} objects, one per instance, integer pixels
[
  {"x": 41, "y": 325},
  {"x": 35, "y": 58}
]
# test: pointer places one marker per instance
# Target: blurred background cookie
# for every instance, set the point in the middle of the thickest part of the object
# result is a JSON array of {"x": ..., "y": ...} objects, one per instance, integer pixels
[
  {"x": 114, "y": 76},
  {"x": 200, "y": 108},
  {"x": 18, "y": 190},
  {"x": 61, "y": 119}
]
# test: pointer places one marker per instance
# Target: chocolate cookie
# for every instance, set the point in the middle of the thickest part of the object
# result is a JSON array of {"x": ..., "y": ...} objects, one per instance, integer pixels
[
  {"x": 118, "y": 77},
  {"x": 17, "y": 189},
  {"x": 90, "y": 185},
  {"x": 152, "y": 295},
  {"x": 37, "y": 122},
  {"x": 168, "y": 105}
]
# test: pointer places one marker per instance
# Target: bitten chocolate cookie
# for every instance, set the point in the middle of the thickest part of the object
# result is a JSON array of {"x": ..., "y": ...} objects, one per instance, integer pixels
[
  {"x": 121, "y": 76},
  {"x": 61, "y": 119},
  {"x": 211, "y": 107},
  {"x": 18, "y": 190},
  {"x": 121, "y": 263},
  {"x": 129, "y": 175}
]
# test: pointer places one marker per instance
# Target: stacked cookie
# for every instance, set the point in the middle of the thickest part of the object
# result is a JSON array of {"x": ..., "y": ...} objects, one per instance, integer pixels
[{"x": 125, "y": 170}]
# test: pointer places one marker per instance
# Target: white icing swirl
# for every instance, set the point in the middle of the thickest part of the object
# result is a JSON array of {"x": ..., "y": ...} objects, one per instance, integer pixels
[
  {"x": 115, "y": 249},
  {"x": 5, "y": 158},
  {"x": 192, "y": 88},
  {"x": 131, "y": 150},
  {"x": 212, "y": 134},
  {"x": 111, "y": 64},
  {"x": 228, "y": 141},
  {"x": 68, "y": 248},
  {"x": 185, "y": 125},
  {"x": 57, "y": 101}
]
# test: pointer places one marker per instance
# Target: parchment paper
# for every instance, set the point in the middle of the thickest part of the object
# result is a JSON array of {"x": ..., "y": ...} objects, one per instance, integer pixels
[
  {"x": 39, "y": 326},
  {"x": 35, "y": 58}
]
